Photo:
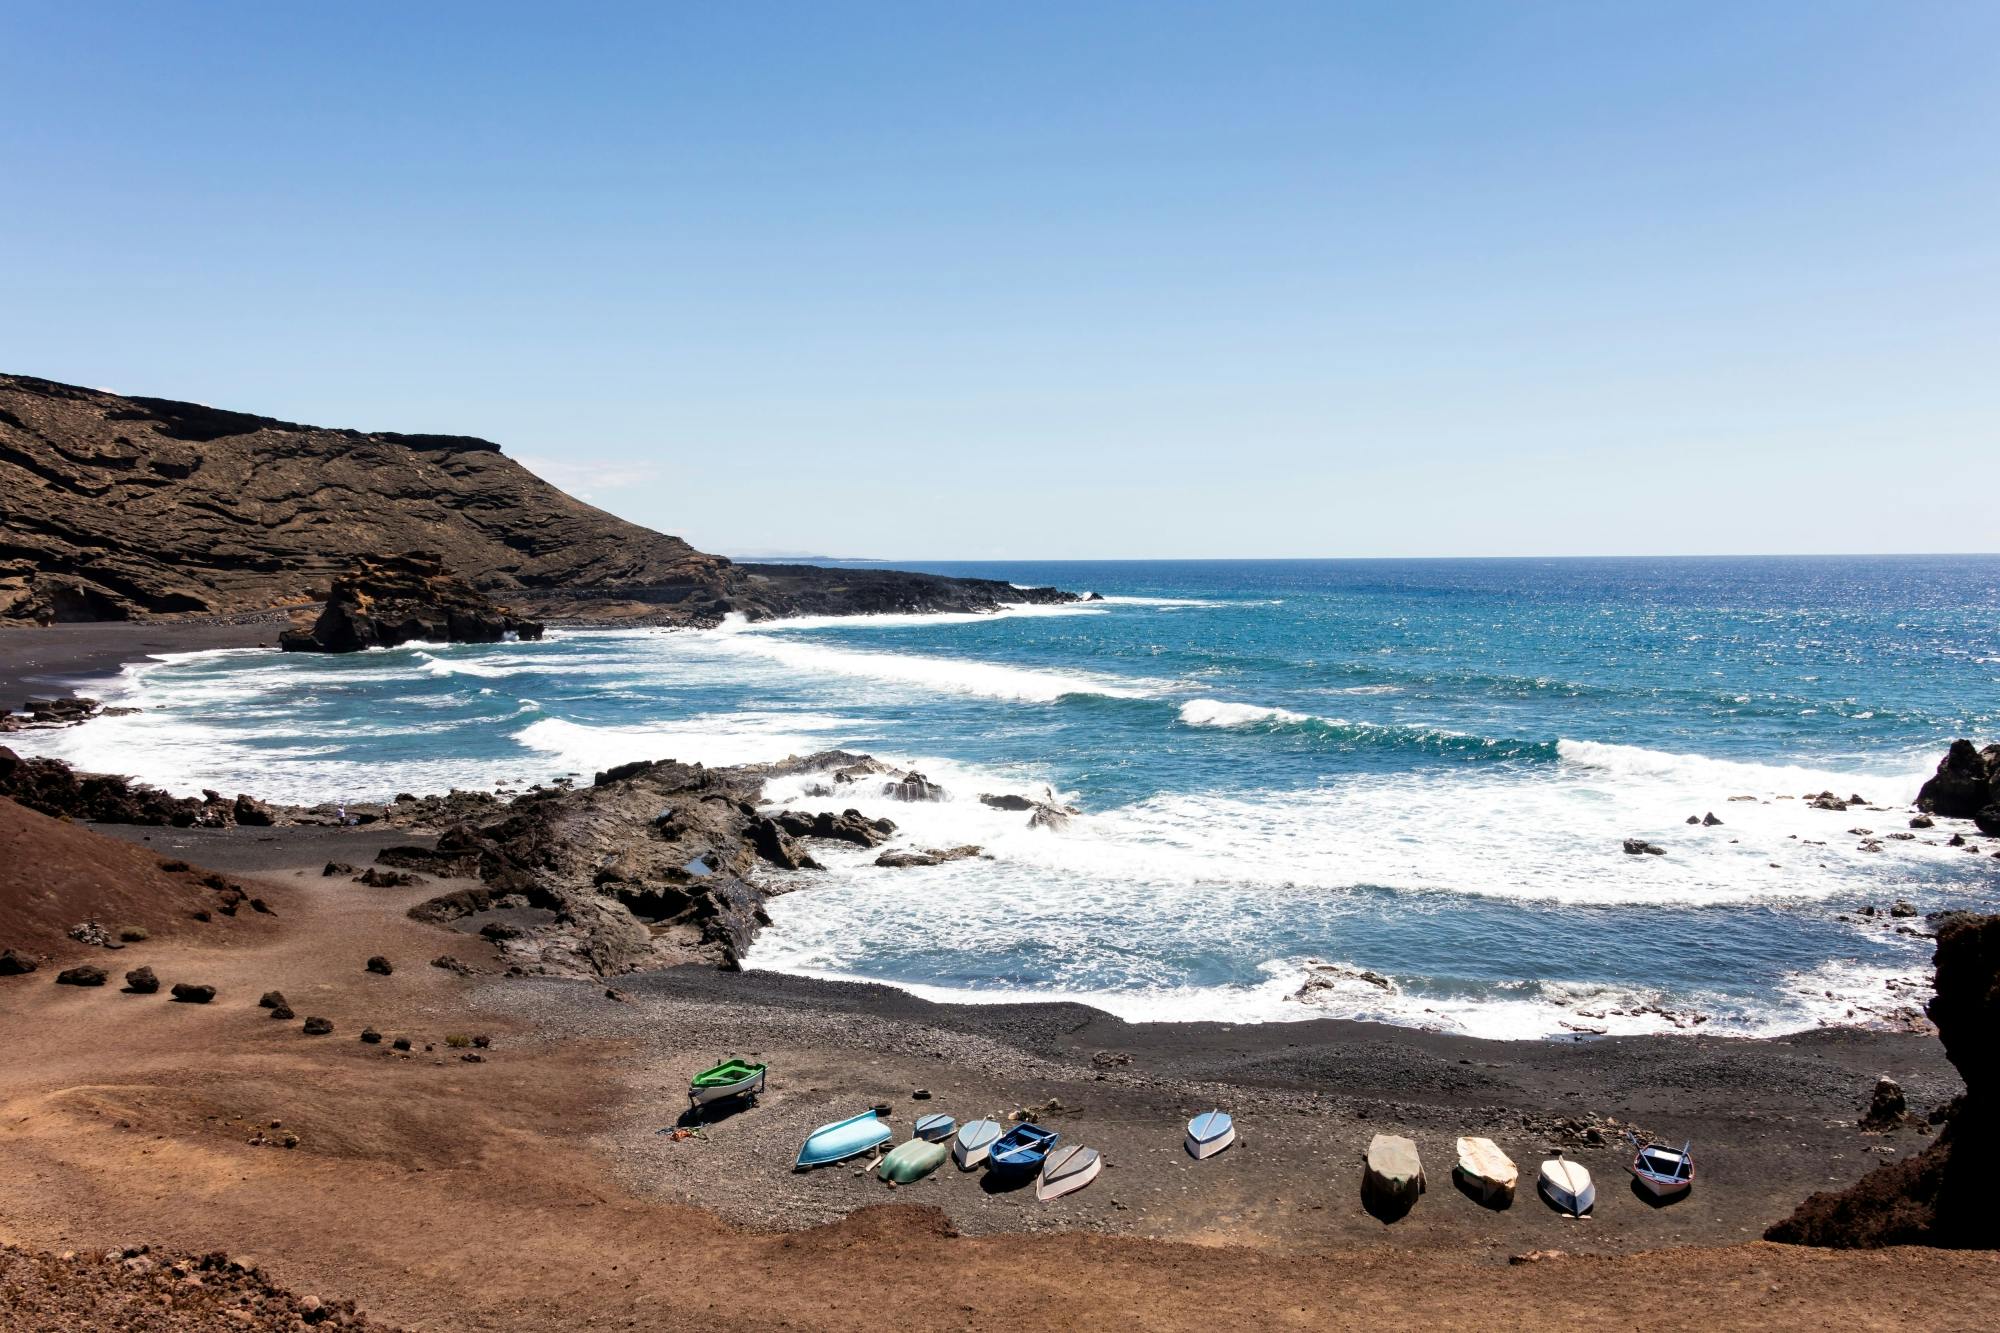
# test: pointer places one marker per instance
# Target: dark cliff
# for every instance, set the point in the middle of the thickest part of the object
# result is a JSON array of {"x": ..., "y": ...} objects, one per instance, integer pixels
[{"x": 116, "y": 507}]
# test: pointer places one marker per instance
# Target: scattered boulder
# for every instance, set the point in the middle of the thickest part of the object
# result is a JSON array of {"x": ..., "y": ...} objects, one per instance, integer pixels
[
  {"x": 1902, "y": 907},
  {"x": 1007, "y": 801},
  {"x": 86, "y": 975},
  {"x": 337, "y": 868},
  {"x": 1886, "y": 1105},
  {"x": 1922, "y": 821},
  {"x": 382, "y": 601},
  {"x": 371, "y": 1036},
  {"x": 141, "y": 981},
  {"x": 14, "y": 964},
  {"x": 271, "y": 999},
  {"x": 282, "y": 1012},
  {"x": 189, "y": 993},
  {"x": 1709, "y": 820},
  {"x": 400, "y": 1044},
  {"x": 318, "y": 1027},
  {"x": 376, "y": 878},
  {"x": 1826, "y": 800},
  {"x": 452, "y": 965},
  {"x": 1640, "y": 847},
  {"x": 252, "y": 813},
  {"x": 380, "y": 965}
]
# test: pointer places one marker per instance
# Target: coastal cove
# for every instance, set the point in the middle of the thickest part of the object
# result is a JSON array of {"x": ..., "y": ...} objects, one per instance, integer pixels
[{"x": 1394, "y": 790}]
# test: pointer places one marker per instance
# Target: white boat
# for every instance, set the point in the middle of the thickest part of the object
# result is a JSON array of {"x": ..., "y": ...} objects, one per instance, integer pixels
[
  {"x": 1066, "y": 1170},
  {"x": 975, "y": 1139},
  {"x": 1487, "y": 1172},
  {"x": 1663, "y": 1172},
  {"x": 1568, "y": 1186},
  {"x": 1209, "y": 1133}
]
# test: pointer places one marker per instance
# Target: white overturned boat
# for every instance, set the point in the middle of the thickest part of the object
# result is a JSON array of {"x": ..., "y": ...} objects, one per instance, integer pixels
[
  {"x": 1067, "y": 1170},
  {"x": 1663, "y": 1172},
  {"x": 1209, "y": 1133},
  {"x": 974, "y": 1141},
  {"x": 1568, "y": 1186},
  {"x": 1486, "y": 1171}
]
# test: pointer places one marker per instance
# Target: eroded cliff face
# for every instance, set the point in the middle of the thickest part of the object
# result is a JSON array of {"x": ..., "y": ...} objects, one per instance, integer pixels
[
  {"x": 115, "y": 508},
  {"x": 1943, "y": 1196},
  {"x": 112, "y": 507}
]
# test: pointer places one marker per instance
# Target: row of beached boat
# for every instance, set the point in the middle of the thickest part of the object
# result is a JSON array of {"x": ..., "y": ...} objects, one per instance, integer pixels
[
  {"x": 1394, "y": 1170},
  {"x": 1489, "y": 1174}
]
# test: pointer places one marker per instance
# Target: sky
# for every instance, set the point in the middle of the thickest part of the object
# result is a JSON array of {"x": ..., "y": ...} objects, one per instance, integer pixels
[{"x": 1059, "y": 280}]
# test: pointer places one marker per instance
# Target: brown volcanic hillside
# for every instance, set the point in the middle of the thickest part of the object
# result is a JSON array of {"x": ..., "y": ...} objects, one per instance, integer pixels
[{"x": 112, "y": 507}]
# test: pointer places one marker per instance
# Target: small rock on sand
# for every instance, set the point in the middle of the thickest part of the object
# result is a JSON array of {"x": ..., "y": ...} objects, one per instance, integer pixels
[
  {"x": 318, "y": 1027},
  {"x": 371, "y": 1036},
  {"x": 86, "y": 975},
  {"x": 141, "y": 981},
  {"x": 380, "y": 965},
  {"x": 189, "y": 993},
  {"x": 271, "y": 999},
  {"x": 15, "y": 965}
]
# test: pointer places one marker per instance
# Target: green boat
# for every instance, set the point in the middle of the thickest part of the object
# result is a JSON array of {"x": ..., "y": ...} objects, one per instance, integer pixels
[
  {"x": 912, "y": 1161},
  {"x": 731, "y": 1078}
]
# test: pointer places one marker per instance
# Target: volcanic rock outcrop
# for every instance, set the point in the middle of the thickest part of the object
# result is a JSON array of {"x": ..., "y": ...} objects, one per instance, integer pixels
[
  {"x": 1942, "y": 1196},
  {"x": 1965, "y": 786},
  {"x": 651, "y": 864},
  {"x": 392, "y": 599},
  {"x": 115, "y": 507}
]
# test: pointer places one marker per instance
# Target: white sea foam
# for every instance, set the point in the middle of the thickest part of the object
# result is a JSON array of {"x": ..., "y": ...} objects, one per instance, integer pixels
[
  {"x": 736, "y": 624},
  {"x": 953, "y": 675},
  {"x": 709, "y": 738},
  {"x": 1218, "y": 713}
]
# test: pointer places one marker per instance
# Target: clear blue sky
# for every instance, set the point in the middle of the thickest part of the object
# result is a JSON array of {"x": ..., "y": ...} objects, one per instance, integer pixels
[{"x": 943, "y": 280}]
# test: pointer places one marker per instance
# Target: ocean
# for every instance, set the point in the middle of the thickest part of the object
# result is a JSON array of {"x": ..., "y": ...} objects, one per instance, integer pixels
[{"x": 1423, "y": 770}]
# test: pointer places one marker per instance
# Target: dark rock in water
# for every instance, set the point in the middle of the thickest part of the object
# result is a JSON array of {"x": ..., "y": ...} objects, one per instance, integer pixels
[
  {"x": 1694, "y": 819},
  {"x": 654, "y": 863},
  {"x": 1826, "y": 800},
  {"x": 1902, "y": 907},
  {"x": 188, "y": 993},
  {"x": 380, "y": 965},
  {"x": 1922, "y": 821},
  {"x": 1640, "y": 847},
  {"x": 1942, "y": 1196},
  {"x": 1967, "y": 781},
  {"x": 1051, "y": 817},
  {"x": 392, "y": 599},
  {"x": 1094, "y": 597},
  {"x": 1709, "y": 820},
  {"x": 926, "y": 856},
  {"x": 913, "y": 787},
  {"x": 271, "y": 999},
  {"x": 1955, "y": 840},
  {"x": 141, "y": 981},
  {"x": 52, "y": 788},
  {"x": 14, "y": 964},
  {"x": 318, "y": 1027},
  {"x": 1007, "y": 801},
  {"x": 1988, "y": 820},
  {"x": 86, "y": 975},
  {"x": 42, "y": 714}
]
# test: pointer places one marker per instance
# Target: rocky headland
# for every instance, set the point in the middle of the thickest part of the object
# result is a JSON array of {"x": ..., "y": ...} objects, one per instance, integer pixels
[{"x": 125, "y": 508}]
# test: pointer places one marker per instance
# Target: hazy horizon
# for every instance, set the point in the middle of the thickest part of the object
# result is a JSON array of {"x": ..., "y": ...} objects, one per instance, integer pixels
[{"x": 1304, "y": 281}]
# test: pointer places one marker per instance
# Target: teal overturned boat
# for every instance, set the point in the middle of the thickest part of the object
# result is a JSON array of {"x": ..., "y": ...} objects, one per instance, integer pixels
[
  {"x": 841, "y": 1140},
  {"x": 912, "y": 1161}
]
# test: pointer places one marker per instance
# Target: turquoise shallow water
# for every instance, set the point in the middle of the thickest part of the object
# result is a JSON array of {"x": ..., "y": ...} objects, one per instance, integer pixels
[{"x": 1419, "y": 768}]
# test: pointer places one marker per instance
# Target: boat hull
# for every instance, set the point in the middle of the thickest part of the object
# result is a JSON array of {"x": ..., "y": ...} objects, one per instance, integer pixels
[
  {"x": 1568, "y": 1187},
  {"x": 912, "y": 1161},
  {"x": 749, "y": 1087},
  {"x": 936, "y": 1128},
  {"x": 841, "y": 1140},
  {"x": 970, "y": 1146},
  {"x": 1200, "y": 1148},
  {"x": 1067, "y": 1170}
]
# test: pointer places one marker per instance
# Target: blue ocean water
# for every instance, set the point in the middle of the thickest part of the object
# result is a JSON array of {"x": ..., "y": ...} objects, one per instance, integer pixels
[{"x": 1282, "y": 770}]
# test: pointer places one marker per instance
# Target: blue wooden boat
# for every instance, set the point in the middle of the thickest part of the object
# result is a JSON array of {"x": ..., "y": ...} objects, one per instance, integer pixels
[
  {"x": 841, "y": 1140},
  {"x": 1021, "y": 1150},
  {"x": 935, "y": 1127}
]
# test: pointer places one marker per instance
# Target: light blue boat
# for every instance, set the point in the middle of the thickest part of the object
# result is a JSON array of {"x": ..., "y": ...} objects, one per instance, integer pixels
[
  {"x": 936, "y": 1127},
  {"x": 841, "y": 1140},
  {"x": 1209, "y": 1133}
]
